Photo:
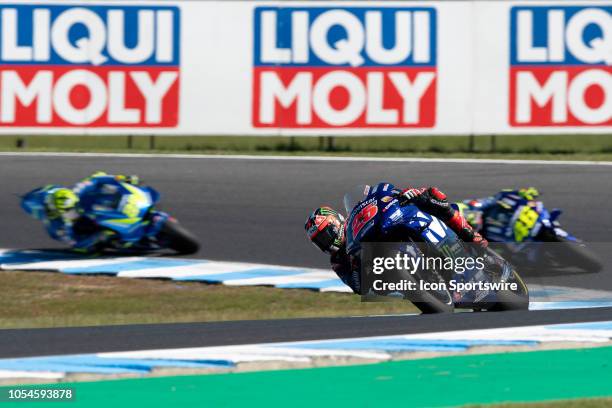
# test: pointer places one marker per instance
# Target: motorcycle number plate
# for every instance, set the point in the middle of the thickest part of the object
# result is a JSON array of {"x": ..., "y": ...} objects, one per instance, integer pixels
[{"x": 364, "y": 216}]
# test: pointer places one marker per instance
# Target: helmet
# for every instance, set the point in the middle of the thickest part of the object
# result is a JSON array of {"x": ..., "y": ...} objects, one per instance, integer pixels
[
  {"x": 325, "y": 229},
  {"x": 62, "y": 200},
  {"x": 529, "y": 193}
]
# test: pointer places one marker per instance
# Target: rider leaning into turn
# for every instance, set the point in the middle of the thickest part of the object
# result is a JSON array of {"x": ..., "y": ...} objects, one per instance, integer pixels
[
  {"x": 325, "y": 228},
  {"x": 508, "y": 199},
  {"x": 62, "y": 216}
]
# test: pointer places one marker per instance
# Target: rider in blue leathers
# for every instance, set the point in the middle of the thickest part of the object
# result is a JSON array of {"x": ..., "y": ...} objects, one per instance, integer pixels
[
  {"x": 326, "y": 228},
  {"x": 61, "y": 214}
]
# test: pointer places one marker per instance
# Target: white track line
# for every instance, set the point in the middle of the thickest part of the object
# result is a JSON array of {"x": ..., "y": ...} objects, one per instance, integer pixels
[{"x": 311, "y": 158}]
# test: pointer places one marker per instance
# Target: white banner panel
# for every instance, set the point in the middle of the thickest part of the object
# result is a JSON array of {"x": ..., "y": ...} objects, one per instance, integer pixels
[
  {"x": 305, "y": 68},
  {"x": 543, "y": 67}
]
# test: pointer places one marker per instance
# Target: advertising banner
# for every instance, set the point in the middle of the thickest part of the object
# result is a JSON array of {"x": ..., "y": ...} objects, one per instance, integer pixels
[
  {"x": 64, "y": 66},
  {"x": 305, "y": 68},
  {"x": 559, "y": 66},
  {"x": 323, "y": 68}
]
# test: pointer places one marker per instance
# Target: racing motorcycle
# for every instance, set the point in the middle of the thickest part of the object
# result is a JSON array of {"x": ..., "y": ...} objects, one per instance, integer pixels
[
  {"x": 526, "y": 227},
  {"x": 127, "y": 212},
  {"x": 375, "y": 216}
]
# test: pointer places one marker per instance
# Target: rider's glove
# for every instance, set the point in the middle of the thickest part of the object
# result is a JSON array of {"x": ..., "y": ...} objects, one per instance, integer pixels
[
  {"x": 480, "y": 240},
  {"x": 465, "y": 232},
  {"x": 411, "y": 195},
  {"x": 133, "y": 179}
]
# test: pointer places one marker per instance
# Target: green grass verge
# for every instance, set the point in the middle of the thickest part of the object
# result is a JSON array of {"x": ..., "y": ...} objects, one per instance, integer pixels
[
  {"x": 553, "y": 146},
  {"x": 35, "y": 299}
]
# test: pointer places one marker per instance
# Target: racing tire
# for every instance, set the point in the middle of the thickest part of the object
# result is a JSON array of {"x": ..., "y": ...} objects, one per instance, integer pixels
[
  {"x": 430, "y": 302},
  {"x": 579, "y": 255},
  {"x": 572, "y": 253},
  {"x": 175, "y": 237},
  {"x": 508, "y": 300}
]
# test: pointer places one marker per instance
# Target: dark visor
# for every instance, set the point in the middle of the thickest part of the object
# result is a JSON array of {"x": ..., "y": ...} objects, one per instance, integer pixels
[{"x": 325, "y": 239}]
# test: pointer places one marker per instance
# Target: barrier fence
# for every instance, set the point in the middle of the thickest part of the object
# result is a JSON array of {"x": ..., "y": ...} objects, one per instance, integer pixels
[{"x": 306, "y": 68}]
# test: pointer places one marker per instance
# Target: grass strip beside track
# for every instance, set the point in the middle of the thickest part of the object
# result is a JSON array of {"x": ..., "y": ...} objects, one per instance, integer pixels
[
  {"x": 39, "y": 299},
  {"x": 446, "y": 381},
  {"x": 547, "y": 147},
  {"x": 589, "y": 157}
]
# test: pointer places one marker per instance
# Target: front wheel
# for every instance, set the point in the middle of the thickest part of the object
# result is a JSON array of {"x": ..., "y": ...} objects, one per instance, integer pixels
[
  {"x": 499, "y": 270},
  {"x": 507, "y": 300},
  {"x": 438, "y": 300},
  {"x": 578, "y": 255},
  {"x": 174, "y": 236},
  {"x": 570, "y": 253}
]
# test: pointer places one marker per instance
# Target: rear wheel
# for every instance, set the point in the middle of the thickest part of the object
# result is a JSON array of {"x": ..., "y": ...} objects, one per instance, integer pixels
[
  {"x": 174, "y": 236},
  {"x": 438, "y": 300},
  {"x": 578, "y": 255},
  {"x": 571, "y": 253}
]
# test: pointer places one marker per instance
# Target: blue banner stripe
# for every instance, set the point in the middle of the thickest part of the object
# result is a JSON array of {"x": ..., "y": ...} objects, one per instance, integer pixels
[
  {"x": 283, "y": 18},
  {"x": 56, "y": 56},
  {"x": 539, "y": 35}
]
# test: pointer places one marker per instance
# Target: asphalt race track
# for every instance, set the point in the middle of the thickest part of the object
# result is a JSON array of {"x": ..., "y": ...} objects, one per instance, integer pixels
[
  {"x": 254, "y": 210},
  {"x": 76, "y": 340}
]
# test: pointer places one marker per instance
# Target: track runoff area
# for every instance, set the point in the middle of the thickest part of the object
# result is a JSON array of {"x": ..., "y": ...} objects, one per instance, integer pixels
[{"x": 556, "y": 339}]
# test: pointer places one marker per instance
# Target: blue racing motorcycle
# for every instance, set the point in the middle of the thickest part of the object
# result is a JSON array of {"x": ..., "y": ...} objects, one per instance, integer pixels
[
  {"x": 530, "y": 233},
  {"x": 126, "y": 214},
  {"x": 375, "y": 216}
]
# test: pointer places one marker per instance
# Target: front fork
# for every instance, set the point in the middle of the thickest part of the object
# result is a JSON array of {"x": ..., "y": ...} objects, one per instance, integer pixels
[{"x": 157, "y": 219}]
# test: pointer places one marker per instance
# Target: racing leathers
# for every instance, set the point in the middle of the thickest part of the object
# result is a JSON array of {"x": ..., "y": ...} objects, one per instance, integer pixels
[
  {"x": 506, "y": 200},
  {"x": 69, "y": 226},
  {"x": 430, "y": 200}
]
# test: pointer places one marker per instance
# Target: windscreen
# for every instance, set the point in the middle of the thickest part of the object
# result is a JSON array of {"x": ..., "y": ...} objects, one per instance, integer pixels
[{"x": 354, "y": 196}]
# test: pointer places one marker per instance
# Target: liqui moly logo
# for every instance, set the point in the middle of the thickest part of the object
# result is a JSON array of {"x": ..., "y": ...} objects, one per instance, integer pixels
[
  {"x": 363, "y": 67},
  {"x": 561, "y": 72},
  {"x": 103, "y": 66}
]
